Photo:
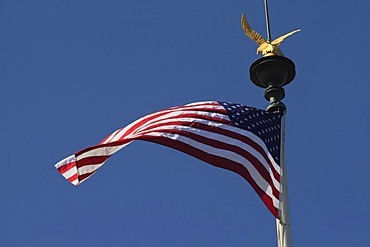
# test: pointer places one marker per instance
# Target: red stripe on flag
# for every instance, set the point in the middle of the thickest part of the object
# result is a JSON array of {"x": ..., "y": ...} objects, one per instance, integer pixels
[
  {"x": 188, "y": 123},
  {"x": 218, "y": 162},
  {"x": 73, "y": 178},
  {"x": 85, "y": 176},
  {"x": 221, "y": 145},
  {"x": 203, "y": 128},
  {"x": 66, "y": 168},
  {"x": 93, "y": 160},
  {"x": 246, "y": 140},
  {"x": 158, "y": 114}
]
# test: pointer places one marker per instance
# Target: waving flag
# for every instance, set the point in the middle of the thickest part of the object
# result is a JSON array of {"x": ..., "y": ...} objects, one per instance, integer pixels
[{"x": 235, "y": 137}]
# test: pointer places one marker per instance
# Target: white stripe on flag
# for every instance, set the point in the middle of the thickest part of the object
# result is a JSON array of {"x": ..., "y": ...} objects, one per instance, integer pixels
[
  {"x": 66, "y": 161},
  {"x": 260, "y": 181},
  {"x": 89, "y": 168},
  {"x": 101, "y": 151}
]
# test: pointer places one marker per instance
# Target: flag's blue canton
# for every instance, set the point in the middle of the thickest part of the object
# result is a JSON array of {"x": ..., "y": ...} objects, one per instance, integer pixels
[{"x": 263, "y": 124}]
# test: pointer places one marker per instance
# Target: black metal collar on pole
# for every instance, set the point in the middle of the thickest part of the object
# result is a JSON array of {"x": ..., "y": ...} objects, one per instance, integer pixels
[{"x": 272, "y": 73}]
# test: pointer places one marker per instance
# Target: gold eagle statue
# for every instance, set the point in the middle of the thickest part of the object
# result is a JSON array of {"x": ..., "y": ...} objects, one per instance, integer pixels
[{"x": 266, "y": 47}]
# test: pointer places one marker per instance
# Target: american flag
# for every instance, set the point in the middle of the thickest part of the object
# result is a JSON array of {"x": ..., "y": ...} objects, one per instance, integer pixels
[{"x": 232, "y": 136}]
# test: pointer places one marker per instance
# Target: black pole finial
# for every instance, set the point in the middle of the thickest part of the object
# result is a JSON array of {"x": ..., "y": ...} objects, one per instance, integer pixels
[{"x": 272, "y": 73}]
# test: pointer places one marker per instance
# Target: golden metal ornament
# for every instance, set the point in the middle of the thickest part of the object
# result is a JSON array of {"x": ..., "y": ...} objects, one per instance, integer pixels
[{"x": 266, "y": 47}]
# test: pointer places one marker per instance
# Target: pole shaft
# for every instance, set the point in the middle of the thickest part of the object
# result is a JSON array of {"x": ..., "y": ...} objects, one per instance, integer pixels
[
  {"x": 283, "y": 226},
  {"x": 267, "y": 21}
]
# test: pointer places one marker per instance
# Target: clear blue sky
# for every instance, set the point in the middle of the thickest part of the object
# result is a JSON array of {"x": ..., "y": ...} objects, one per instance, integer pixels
[{"x": 74, "y": 71}]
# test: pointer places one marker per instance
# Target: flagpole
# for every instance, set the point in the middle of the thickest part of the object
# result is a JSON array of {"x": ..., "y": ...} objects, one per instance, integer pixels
[
  {"x": 283, "y": 225},
  {"x": 272, "y": 73}
]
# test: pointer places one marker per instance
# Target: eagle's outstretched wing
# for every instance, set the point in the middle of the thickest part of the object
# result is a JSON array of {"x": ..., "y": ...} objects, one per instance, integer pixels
[
  {"x": 280, "y": 39},
  {"x": 250, "y": 32}
]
